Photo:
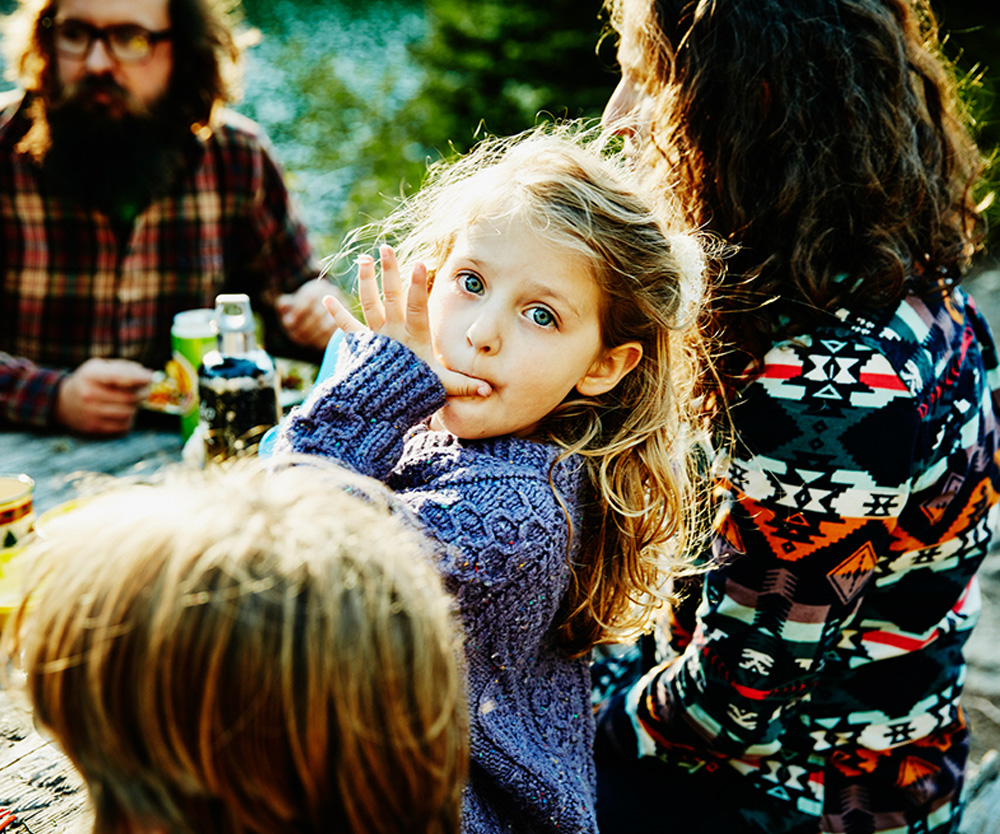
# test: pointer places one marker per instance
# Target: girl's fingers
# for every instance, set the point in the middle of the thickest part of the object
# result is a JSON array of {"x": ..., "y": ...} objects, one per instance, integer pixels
[
  {"x": 460, "y": 385},
  {"x": 417, "y": 323},
  {"x": 368, "y": 295},
  {"x": 392, "y": 286},
  {"x": 341, "y": 315}
]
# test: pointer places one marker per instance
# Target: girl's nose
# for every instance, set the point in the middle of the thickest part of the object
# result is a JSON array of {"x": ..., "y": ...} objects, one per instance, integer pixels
[{"x": 484, "y": 335}]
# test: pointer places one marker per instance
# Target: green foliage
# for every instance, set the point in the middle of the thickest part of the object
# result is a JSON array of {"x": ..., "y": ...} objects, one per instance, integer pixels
[
  {"x": 971, "y": 30},
  {"x": 483, "y": 65},
  {"x": 496, "y": 66},
  {"x": 504, "y": 64}
]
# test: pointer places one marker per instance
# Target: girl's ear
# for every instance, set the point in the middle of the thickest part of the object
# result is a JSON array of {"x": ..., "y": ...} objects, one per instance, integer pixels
[{"x": 608, "y": 371}]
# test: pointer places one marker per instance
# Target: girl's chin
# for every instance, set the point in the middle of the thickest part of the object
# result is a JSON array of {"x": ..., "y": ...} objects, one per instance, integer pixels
[
  {"x": 467, "y": 427},
  {"x": 464, "y": 426}
]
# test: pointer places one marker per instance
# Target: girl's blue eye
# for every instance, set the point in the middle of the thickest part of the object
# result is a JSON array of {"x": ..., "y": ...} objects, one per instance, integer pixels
[
  {"x": 542, "y": 317},
  {"x": 472, "y": 283}
]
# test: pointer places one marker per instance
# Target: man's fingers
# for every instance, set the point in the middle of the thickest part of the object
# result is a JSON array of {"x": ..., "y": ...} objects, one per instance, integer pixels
[
  {"x": 315, "y": 333},
  {"x": 110, "y": 400},
  {"x": 117, "y": 373},
  {"x": 303, "y": 316},
  {"x": 341, "y": 315},
  {"x": 87, "y": 404},
  {"x": 110, "y": 423},
  {"x": 368, "y": 294}
]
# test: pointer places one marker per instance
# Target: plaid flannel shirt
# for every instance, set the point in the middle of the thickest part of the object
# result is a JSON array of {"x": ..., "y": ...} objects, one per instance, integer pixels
[
  {"x": 825, "y": 662},
  {"x": 71, "y": 287}
]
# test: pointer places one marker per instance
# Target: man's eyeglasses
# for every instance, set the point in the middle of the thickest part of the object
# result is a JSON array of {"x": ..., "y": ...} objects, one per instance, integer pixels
[{"x": 126, "y": 42}]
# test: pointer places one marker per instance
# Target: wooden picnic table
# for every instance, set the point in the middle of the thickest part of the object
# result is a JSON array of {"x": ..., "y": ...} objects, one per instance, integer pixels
[
  {"x": 64, "y": 465},
  {"x": 37, "y": 782}
]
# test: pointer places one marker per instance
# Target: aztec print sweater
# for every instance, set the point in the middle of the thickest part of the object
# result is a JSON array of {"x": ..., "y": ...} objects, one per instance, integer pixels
[
  {"x": 502, "y": 549},
  {"x": 826, "y": 658}
]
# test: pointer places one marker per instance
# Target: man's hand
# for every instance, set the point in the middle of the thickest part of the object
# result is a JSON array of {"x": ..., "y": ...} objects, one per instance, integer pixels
[
  {"x": 102, "y": 396},
  {"x": 303, "y": 315}
]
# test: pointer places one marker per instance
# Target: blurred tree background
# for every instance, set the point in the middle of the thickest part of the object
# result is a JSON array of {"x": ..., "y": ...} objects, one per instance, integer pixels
[
  {"x": 485, "y": 66},
  {"x": 971, "y": 33},
  {"x": 359, "y": 96},
  {"x": 500, "y": 66}
]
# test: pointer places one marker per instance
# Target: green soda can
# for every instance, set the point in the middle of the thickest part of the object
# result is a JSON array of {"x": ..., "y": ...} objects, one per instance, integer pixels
[{"x": 192, "y": 336}]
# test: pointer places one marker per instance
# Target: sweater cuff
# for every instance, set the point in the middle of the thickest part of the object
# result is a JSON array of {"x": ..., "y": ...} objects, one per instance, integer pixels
[{"x": 385, "y": 381}]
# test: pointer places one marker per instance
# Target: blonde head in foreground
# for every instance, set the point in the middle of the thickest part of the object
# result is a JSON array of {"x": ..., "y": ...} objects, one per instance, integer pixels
[{"x": 247, "y": 652}]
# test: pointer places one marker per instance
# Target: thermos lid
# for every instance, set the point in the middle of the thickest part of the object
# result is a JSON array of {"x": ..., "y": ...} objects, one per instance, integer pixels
[{"x": 234, "y": 324}]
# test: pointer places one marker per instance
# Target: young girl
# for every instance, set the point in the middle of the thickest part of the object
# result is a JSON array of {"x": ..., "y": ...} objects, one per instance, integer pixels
[
  {"x": 247, "y": 652},
  {"x": 526, "y": 399}
]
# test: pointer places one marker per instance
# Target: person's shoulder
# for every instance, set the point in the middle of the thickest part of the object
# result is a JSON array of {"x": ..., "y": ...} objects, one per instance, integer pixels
[
  {"x": 901, "y": 347},
  {"x": 232, "y": 129},
  {"x": 241, "y": 151},
  {"x": 921, "y": 334},
  {"x": 519, "y": 457},
  {"x": 543, "y": 475},
  {"x": 503, "y": 478},
  {"x": 852, "y": 354}
]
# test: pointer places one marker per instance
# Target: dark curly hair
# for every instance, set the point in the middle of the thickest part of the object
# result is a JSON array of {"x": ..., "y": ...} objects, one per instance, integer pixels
[
  {"x": 204, "y": 49},
  {"x": 824, "y": 138}
]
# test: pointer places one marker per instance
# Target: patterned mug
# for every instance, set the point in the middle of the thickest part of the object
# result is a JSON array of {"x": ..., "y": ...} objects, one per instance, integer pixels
[{"x": 16, "y": 508}]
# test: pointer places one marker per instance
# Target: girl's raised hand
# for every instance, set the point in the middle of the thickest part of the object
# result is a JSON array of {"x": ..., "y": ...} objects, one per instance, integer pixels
[{"x": 403, "y": 319}]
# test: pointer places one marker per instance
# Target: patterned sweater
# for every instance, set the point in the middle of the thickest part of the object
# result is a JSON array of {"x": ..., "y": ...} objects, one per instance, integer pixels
[
  {"x": 826, "y": 659},
  {"x": 502, "y": 549}
]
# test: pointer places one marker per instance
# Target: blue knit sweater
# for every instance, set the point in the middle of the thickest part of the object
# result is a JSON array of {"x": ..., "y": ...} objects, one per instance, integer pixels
[{"x": 502, "y": 548}]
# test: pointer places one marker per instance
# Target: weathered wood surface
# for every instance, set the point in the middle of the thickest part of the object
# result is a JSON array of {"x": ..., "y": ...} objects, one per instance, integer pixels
[
  {"x": 64, "y": 465},
  {"x": 982, "y": 814},
  {"x": 37, "y": 782}
]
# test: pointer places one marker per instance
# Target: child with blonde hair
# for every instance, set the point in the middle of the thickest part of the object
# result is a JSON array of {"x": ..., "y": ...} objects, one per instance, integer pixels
[
  {"x": 529, "y": 397},
  {"x": 247, "y": 652}
]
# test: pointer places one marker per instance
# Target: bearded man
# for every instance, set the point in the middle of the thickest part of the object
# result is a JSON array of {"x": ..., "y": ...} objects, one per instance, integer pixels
[{"x": 127, "y": 194}]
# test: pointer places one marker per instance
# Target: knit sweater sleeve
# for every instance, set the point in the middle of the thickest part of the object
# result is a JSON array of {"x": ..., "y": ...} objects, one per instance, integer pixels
[
  {"x": 504, "y": 551},
  {"x": 360, "y": 414},
  {"x": 499, "y": 513},
  {"x": 489, "y": 504}
]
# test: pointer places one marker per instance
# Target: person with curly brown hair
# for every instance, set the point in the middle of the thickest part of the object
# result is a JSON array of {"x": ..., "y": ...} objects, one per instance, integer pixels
[{"x": 817, "y": 687}]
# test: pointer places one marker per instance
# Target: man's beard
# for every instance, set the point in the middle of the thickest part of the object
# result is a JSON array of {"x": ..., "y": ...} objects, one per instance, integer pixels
[{"x": 110, "y": 152}]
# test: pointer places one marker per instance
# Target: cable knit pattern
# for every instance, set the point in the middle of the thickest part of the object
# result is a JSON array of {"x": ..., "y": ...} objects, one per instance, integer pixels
[{"x": 502, "y": 548}]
